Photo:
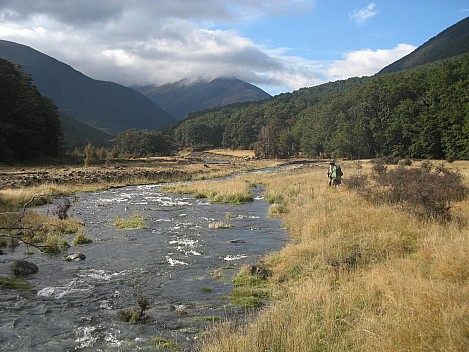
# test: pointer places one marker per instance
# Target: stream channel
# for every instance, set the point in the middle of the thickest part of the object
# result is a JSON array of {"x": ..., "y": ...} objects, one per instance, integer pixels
[{"x": 179, "y": 263}]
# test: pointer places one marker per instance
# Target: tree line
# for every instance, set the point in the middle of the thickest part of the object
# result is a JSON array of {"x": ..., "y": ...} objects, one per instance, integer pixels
[
  {"x": 30, "y": 125},
  {"x": 421, "y": 112}
]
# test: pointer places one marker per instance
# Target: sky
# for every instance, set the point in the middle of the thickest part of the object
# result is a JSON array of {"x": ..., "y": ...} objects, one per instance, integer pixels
[{"x": 277, "y": 45}]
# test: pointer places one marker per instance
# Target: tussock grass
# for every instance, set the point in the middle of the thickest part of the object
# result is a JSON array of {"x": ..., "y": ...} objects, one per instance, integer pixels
[
  {"x": 358, "y": 276},
  {"x": 133, "y": 222},
  {"x": 233, "y": 191},
  {"x": 39, "y": 229}
]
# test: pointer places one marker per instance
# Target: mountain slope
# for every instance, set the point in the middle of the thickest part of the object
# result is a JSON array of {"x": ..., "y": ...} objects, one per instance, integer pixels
[
  {"x": 106, "y": 105},
  {"x": 78, "y": 134},
  {"x": 451, "y": 42},
  {"x": 185, "y": 96}
]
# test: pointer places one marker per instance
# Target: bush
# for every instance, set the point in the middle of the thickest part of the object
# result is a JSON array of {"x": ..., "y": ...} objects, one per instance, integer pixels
[
  {"x": 427, "y": 193},
  {"x": 357, "y": 182},
  {"x": 63, "y": 208},
  {"x": 135, "y": 313},
  {"x": 91, "y": 157},
  {"x": 379, "y": 167}
]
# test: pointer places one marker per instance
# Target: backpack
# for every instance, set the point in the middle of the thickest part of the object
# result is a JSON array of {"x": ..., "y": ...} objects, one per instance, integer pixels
[{"x": 337, "y": 172}]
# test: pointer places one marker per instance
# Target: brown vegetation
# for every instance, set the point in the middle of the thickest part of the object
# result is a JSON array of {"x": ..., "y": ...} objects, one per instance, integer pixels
[{"x": 360, "y": 275}]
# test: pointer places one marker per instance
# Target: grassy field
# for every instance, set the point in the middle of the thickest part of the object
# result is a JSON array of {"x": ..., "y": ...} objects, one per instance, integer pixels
[{"x": 358, "y": 276}]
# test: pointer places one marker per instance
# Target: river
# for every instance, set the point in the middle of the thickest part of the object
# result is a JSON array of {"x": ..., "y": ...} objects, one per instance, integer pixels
[{"x": 180, "y": 263}]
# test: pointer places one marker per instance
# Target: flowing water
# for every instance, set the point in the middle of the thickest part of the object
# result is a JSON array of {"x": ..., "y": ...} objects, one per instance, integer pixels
[{"x": 180, "y": 263}]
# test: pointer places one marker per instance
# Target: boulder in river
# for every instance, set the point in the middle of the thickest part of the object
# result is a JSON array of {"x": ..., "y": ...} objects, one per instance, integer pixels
[
  {"x": 74, "y": 257},
  {"x": 23, "y": 268}
]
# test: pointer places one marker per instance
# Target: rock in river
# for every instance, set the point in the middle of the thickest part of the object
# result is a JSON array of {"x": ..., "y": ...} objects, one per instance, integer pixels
[
  {"x": 23, "y": 267},
  {"x": 74, "y": 257}
]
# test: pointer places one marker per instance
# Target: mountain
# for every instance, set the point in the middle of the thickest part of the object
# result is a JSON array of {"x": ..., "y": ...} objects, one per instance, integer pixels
[
  {"x": 185, "y": 96},
  {"x": 78, "y": 134},
  {"x": 451, "y": 42},
  {"x": 106, "y": 105}
]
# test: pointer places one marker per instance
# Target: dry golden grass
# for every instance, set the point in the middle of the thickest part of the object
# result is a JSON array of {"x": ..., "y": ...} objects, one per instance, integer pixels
[
  {"x": 359, "y": 277},
  {"x": 236, "y": 153}
]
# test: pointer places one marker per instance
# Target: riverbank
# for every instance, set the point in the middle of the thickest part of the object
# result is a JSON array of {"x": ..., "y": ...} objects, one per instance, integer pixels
[
  {"x": 359, "y": 276},
  {"x": 18, "y": 184}
]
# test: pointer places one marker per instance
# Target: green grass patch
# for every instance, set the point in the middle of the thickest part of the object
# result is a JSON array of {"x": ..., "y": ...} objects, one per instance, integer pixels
[
  {"x": 81, "y": 239},
  {"x": 244, "y": 278},
  {"x": 134, "y": 222},
  {"x": 14, "y": 284},
  {"x": 165, "y": 344},
  {"x": 236, "y": 198},
  {"x": 206, "y": 290}
]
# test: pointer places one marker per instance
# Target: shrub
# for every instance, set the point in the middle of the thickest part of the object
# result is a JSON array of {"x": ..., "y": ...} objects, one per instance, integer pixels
[
  {"x": 62, "y": 209},
  {"x": 405, "y": 162},
  {"x": 357, "y": 182},
  {"x": 136, "y": 313},
  {"x": 424, "y": 192},
  {"x": 91, "y": 157},
  {"x": 426, "y": 166},
  {"x": 379, "y": 167}
]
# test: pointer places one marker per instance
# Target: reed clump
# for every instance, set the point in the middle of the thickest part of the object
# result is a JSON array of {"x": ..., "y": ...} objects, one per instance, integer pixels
[{"x": 359, "y": 275}]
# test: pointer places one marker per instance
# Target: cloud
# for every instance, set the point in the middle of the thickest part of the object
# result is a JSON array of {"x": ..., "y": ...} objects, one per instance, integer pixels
[
  {"x": 366, "y": 62},
  {"x": 362, "y": 15},
  {"x": 155, "y": 42},
  {"x": 165, "y": 41}
]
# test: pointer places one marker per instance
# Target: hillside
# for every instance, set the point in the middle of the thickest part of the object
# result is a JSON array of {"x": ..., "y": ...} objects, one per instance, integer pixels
[
  {"x": 78, "y": 134},
  {"x": 105, "y": 105},
  {"x": 451, "y": 42},
  {"x": 418, "y": 113},
  {"x": 186, "y": 96}
]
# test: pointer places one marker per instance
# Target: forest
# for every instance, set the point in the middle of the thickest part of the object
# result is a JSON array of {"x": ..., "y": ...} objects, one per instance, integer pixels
[
  {"x": 30, "y": 126},
  {"x": 420, "y": 113}
]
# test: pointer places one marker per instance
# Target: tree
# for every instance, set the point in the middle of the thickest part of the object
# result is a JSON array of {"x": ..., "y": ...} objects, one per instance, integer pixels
[{"x": 30, "y": 125}]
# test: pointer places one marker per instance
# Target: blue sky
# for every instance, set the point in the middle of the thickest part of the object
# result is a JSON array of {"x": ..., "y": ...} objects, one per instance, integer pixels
[{"x": 278, "y": 45}]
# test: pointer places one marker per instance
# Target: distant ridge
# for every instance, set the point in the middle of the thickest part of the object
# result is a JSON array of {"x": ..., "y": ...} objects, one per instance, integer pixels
[
  {"x": 186, "y": 96},
  {"x": 105, "y": 105},
  {"x": 451, "y": 42}
]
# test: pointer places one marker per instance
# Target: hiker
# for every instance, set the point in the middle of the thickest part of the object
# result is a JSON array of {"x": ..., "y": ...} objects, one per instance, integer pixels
[{"x": 334, "y": 173}]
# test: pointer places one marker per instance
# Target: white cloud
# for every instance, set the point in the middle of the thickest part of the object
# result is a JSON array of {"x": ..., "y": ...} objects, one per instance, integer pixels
[
  {"x": 168, "y": 40},
  {"x": 155, "y": 42},
  {"x": 366, "y": 62},
  {"x": 362, "y": 15}
]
